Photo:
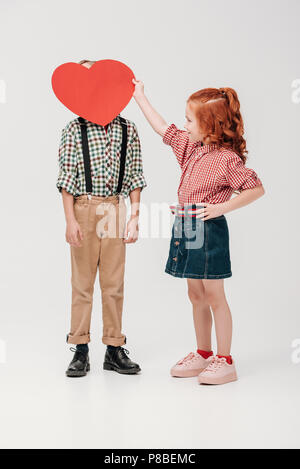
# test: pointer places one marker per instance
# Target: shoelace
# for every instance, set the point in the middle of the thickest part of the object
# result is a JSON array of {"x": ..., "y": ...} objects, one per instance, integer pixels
[
  {"x": 215, "y": 365},
  {"x": 190, "y": 357},
  {"x": 124, "y": 350},
  {"x": 75, "y": 350}
]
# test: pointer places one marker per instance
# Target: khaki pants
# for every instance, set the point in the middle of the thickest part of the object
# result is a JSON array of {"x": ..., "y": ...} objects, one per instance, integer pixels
[{"x": 103, "y": 221}]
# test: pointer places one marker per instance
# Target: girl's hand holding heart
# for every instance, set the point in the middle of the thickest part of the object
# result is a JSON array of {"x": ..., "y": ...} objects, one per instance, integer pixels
[
  {"x": 139, "y": 88},
  {"x": 157, "y": 122}
]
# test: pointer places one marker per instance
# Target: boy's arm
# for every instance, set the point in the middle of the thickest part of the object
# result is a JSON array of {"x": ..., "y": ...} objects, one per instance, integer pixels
[
  {"x": 138, "y": 183},
  {"x": 132, "y": 227},
  {"x": 137, "y": 174},
  {"x": 66, "y": 184},
  {"x": 67, "y": 160},
  {"x": 66, "y": 181},
  {"x": 68, "y": 203},
  {"x": 135, "y": 199}
]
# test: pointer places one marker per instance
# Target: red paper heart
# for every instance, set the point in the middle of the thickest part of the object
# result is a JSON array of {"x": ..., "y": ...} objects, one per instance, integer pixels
[{"x": 97, "y": 94}]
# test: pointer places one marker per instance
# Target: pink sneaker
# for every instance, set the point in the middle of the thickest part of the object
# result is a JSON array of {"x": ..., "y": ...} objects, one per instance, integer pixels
[
  {"x": 190, "y": 366},
  {"x": 218, "y": 372}
]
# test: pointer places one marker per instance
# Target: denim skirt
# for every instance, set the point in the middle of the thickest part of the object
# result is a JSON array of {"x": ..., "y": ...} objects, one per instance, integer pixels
[{"x": 199, "y": 248}]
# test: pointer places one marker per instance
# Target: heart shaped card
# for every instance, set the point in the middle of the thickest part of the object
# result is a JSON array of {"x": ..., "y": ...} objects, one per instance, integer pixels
[{"x": 98, "y": 93}]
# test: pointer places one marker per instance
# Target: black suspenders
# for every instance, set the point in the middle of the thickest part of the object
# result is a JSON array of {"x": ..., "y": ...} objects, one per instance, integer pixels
[
  {"x": 86, "y": 155},
  {"x": 123, "y": 154}
]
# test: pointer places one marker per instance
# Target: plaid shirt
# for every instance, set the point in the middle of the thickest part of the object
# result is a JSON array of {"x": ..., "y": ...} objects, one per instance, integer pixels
[
  {"x": 208, "y": 174},
  {"x": 105, "y": 152}
]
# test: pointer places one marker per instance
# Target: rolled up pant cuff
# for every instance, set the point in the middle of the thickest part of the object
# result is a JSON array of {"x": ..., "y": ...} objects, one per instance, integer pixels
[
  {"x": 78, "y": 339},
  {"x": 116, "y": 342}
]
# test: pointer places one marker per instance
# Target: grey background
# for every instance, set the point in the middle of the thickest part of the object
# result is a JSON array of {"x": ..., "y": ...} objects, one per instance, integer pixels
[{"x": 176, "y": 48}]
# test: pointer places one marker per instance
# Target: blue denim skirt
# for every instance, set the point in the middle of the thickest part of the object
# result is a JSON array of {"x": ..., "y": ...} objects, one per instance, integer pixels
[{"x": 199, "y": 248}]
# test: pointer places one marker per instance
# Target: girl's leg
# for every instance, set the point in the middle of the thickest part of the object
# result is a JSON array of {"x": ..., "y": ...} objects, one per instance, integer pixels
[
  {"x": 201, "y": 313},
  {"x": 215, "y": 297}
]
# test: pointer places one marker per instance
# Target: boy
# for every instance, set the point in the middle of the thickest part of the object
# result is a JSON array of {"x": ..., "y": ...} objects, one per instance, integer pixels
[{"x": 99, "y": 167}]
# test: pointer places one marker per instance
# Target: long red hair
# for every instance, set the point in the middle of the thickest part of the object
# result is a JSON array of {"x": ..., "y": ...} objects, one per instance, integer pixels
[{"x": 219, "y": 117}]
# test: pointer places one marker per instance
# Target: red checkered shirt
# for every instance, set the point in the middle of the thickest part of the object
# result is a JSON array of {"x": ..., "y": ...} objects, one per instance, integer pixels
[{"x": 208, "y": 174}]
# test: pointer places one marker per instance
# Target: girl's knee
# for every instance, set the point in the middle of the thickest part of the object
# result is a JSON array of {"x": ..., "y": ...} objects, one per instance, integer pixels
[
  {"x": 214, "y": 297},
  {"x": 195, "y": 296},
  {"x": 214, "y": 292}
]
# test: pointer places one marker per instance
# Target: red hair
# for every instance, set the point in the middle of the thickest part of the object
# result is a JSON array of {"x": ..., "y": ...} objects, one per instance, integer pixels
[{"x": 219, "y": 117}]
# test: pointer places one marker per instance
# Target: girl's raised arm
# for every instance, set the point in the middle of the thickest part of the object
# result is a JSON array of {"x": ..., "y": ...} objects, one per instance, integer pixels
[{"x": 155, "y": 120}]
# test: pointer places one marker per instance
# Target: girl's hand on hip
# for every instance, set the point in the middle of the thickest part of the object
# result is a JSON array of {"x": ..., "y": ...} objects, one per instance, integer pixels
[
  {"x": 139, "y": 88},
  {"x": 209, "y": 211}
]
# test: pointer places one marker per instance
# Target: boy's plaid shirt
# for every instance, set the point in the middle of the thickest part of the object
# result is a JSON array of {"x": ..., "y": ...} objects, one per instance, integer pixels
[{"x": 105, "y": 153}]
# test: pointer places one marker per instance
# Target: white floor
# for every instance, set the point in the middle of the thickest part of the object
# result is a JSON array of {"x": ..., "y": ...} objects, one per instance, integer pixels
[{"x": 41, "y": 408}]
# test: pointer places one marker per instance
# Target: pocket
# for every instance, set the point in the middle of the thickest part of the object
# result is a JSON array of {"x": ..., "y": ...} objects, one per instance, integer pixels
[
  {"x": 114, "y": 220},
  {"x": 122, "y": 218},
  {"x": 80, "y": 212},
  {"x": 172, "y": 242}
]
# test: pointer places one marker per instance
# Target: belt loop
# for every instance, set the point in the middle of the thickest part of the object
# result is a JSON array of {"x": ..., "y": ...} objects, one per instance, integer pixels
[
  {"x": 193, "y": 217},
  {"x": 185, "y": 217}
]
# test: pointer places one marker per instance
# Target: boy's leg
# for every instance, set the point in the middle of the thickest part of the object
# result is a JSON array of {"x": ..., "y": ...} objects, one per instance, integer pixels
[
  {"x": 84, "y": 262},
  {"x": 111, "y": 274}
]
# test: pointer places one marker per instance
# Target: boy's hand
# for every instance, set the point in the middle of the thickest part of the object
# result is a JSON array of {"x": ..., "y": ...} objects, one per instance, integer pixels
[
  {"x": 132, "y": 228},
  {"x": 74, "y": 233},
  {"x": 139, "y": 88}
]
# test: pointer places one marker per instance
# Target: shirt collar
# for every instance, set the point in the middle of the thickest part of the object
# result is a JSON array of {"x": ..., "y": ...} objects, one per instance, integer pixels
[
  {"x": 113, "y": 122},
  {"x": 205, "y": 148},
  {"x": 109, "y": 123}
]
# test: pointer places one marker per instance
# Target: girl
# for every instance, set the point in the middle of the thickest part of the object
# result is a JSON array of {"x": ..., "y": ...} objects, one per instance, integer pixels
[{"x": 211, "y": 154}]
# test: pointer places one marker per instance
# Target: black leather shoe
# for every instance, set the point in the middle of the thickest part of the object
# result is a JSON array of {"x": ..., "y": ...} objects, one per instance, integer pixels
[
  {"x": 116, "y": 359},
  {"x": 80, "y": 364}
]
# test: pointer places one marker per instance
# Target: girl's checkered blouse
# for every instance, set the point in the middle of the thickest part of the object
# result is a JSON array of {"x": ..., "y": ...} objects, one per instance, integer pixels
[{"x": 208, "y": 174}]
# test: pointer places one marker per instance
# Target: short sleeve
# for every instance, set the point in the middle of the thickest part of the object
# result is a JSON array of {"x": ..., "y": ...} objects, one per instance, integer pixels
[
  {"x": 179, "y": 141},
  {"x": 67, "y": 159},
  {"x": 238, "y": 176},
  {"x": 137, "y": 175}
]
